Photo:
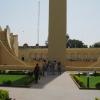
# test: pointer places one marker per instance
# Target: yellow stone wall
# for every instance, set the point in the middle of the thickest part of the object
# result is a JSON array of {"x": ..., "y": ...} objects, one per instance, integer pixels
[{"x": 81, "y": 57}]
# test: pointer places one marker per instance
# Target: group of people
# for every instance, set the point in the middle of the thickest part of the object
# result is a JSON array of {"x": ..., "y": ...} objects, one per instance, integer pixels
[{"x": 47, "y": 68}]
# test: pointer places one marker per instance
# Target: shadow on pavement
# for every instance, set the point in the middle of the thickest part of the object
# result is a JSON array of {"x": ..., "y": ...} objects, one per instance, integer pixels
[{"x": 44, "y": 81}]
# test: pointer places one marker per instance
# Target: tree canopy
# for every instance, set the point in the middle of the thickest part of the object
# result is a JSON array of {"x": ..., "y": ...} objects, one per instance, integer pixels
[
  {"x": 95, "y": 45},
  {"x": 73, "y": 43}
]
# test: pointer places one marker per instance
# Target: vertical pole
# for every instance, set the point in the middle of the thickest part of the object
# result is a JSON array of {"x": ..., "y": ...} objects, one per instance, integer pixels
[
  {"x": 38, "y": 24},
  {"x": 88, "y": 82}
]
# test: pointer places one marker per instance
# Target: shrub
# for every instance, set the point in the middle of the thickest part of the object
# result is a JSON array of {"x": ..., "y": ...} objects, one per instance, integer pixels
[
  {"x": 16, "y": 73},
  {"x": 97, "y": 98},
  {"x": 4, "y": 95},
  {"x": 98, "y": 85},
  {"x": 30, "y": 74},
  {"x": 8, "y": 82},
  {"x": 82, "y": 84},
  {"x": 84, "y": 73},
  {"x": 79, "y": 74},
  {"x": 29, "y": 80},
  {"x": 79, "y": 82},
  {"x": 2, "y": 72}
]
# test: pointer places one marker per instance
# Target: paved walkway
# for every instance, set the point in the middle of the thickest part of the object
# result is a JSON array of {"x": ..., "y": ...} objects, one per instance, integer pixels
[{"x": 53, "y": 88}]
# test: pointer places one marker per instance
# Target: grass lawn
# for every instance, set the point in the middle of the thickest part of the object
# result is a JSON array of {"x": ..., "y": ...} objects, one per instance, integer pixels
[
  {"x": 93, "y": 80},
  {"x": 10, "y": 77},
  {"x": 16, "y": 80}
]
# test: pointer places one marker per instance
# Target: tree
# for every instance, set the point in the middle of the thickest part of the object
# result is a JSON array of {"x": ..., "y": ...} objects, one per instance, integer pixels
[
  {"x": 67, "y": 37},
  {"x": 95, "y": 45},
  {"x": 46, "y": 43},
  {"x": 73, "y": 43}
]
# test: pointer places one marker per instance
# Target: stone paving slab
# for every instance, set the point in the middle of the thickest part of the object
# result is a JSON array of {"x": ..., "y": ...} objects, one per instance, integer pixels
[{"x": 59, "y": 88}]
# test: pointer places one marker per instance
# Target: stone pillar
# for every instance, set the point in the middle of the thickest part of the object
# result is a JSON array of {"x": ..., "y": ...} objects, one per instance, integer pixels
[{"x": 57, "y": 30}]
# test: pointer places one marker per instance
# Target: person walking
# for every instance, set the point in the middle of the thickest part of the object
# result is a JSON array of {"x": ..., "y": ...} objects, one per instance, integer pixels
[
  {"x": 59, "y": 68},
  {"x": 44, "y": 68},
  {"x": 37, "y": 73}
]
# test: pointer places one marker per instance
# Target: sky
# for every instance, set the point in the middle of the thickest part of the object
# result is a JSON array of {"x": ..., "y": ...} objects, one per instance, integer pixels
[{"x": 83, "y": 20}]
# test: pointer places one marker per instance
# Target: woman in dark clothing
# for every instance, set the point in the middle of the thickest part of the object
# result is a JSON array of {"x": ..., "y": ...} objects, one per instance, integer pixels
[
  {"x": 36, "y": 73},
  {"x": 59, "y": 68}
]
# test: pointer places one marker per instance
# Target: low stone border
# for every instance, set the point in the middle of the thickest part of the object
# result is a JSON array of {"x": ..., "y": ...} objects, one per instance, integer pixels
[
  {"x": 80, "y": 86},
  {"x": 20, "y": 86}
]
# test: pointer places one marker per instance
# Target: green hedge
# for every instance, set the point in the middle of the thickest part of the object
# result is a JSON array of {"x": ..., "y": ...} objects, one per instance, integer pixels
[
  {"x": 7, "y": 82},
  {"x": 98, "y": 85},
  {"x": 4, "y": 95},
  {"x": 16, "y": 73},
  {"x": 79, "y": 82},
  {"x": 97, "y": 98}
]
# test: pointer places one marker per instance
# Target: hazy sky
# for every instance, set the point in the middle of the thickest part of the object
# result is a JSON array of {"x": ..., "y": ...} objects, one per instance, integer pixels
[{"x": 22, "y": 17}]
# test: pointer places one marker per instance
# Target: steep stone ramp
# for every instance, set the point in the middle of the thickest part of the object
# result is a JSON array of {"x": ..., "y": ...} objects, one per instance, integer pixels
[{"x": 9, "y": 61}]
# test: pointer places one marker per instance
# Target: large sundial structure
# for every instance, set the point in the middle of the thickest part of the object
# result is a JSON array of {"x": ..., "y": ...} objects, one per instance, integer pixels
[{"x": 57, "y": 30}]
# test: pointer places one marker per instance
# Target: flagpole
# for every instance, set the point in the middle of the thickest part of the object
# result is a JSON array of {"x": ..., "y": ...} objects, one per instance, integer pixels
[{"x": 38, "y": 24}]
